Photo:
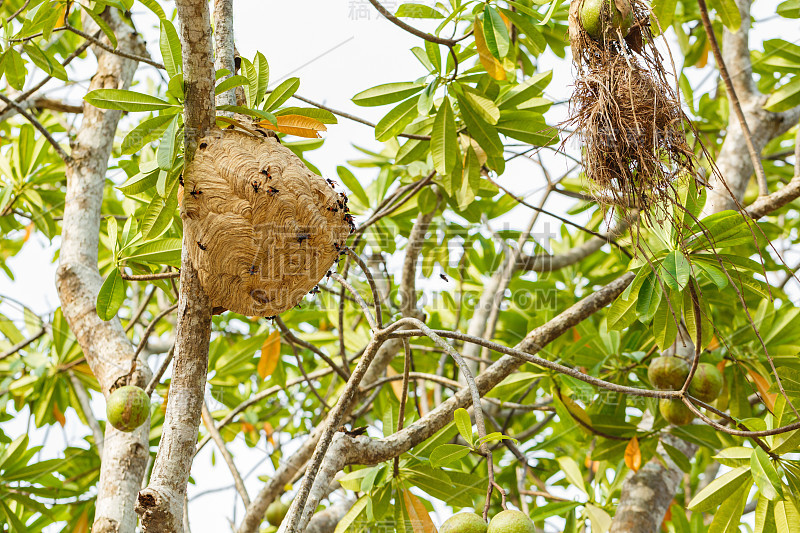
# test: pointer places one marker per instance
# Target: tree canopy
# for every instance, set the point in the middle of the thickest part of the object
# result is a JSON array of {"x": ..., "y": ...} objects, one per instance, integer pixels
[{"x": 452, "y": 358}]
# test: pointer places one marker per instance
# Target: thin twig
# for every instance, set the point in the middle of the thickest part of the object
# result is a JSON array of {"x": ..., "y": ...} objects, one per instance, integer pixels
[
  {"x": 364, "y": 307},
  {"x": 403, "y": 399},
  {"x": 376, "y": 297},
  {"x": 146, "y": 335},
  {"x": 160, "y": 373},
  {"x": 761, "y": 177},
  {"x": 38, "y": 125},
  {"x": 22, "y": 344},
  {"x": 410, "y": 29},
  {"x": 150, "y": 277},
  {"x": 142, "y": 307},
  {"x": 208, "y": 421}
]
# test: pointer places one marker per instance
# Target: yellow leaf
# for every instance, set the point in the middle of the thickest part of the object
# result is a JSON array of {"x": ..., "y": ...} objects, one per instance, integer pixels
[
  {"x": 577, "y": 411},
  {"x": 493, "y": 67},
  {"x": 633, "y": 455},
  {"x": 59, "y": 416},
  {"x": 397, "y": 386},
  {"x": 466, "y": 142},
  {"x": 270, "y": 353},
  {"x": 420, "y": 519},
  {"x": 296, "y": 125},
  {"x": 28, "y": 230},
  {"x": 269, "y": 430},
  {"x": 763, "y": 388}
]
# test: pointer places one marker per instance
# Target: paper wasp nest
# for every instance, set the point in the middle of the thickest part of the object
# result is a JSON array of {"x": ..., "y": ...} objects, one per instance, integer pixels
[{"x": 263, "y": 228}]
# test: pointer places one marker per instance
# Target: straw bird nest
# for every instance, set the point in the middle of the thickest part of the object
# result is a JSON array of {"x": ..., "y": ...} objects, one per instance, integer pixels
[{"x": 264, "y": 228}]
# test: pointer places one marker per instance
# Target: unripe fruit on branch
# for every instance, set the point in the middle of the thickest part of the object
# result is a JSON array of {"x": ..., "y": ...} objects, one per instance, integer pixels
[
  {"x": 464, "y": 523},
  {"x": 668, "y": 373},
  {"x": 604, "y": 17},
  {"x": 675, "y": 412},
  {"x": 706, "y": 383},
  {"x": 276, "y": 512},
  {"x": 511, "y": 522},
  {"x": 127, "y": 408}
]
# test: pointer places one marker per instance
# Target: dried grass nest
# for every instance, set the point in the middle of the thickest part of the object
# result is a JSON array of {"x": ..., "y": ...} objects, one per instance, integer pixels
[
  {"x": 264, "y": 228},
  {"x": 626, "y": 115}
]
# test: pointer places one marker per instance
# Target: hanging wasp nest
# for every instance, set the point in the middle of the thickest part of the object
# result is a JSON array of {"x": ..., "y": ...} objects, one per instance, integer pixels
[
  {"x": 624, "y": 111},
  {"x": 264, "y": 228}
]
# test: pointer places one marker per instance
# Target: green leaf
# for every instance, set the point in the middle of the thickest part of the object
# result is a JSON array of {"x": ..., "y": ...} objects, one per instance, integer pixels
[
  {"x": 444, "y": 143},
  {"x": 387, "y": 93},
  {"x": 789, "y": 9},
  {"x": 146, "y": 132},
  {"x": 45, "y": 61},
  {"x": 464, "y": 424},
  {"x": 527, "y": 126},
  {"x": 621, "y": 314},
  {"x": 572, "y": 472},
  {"x": 649, "y": 298},
  {"x": 281, "y": 93},
  {"x": 14, "y": 521},
  {"x": 417, "y": 11},
  {"x": 666, "y": 319},
  {"x": 484, "y": 133},
  {"x": 734, "y": 456},
  {"x": 495, "y": 32},
  {"x": 678, "y": 457},
  {"x": 111, "y": 295},
  {"x": 155, "y": 7},
  {"x": 15, "y": 68},
  {"x": 448, "y": 453},
  {"x": 159, "y": 214},
  {"x": 720, "y": 489},
  {"x": 727, "y": 517},
  {"x": 262, "y": 70},
  {"x": 170, "y": 45},
  {"x": 787, "y": 519},
  {"x": 765, "y": 475},
  {"x": 166, "y": 149},
  {"x": 676, "y": 270},
  {"x": 351, "y": 516},
  {"x": 765, "y": 517},
  {"x": 230, "y": 83},
  {"x": 397, "y": 119},
  {"x": 125, "y": 100},
  {"x": 728, "y": 12},
  {"x": 786, "y": 97},
  {"x": 663, "y": 11},
  {"x": 351, "y": 182},
  {"x": 102, "y": 24},
  {"x": 481, "y": 105}
]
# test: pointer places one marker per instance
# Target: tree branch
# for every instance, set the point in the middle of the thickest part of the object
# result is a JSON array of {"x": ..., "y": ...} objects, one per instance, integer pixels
[
  {"x": 161, "y": 503},
  {"x": 105, "y": 345}
]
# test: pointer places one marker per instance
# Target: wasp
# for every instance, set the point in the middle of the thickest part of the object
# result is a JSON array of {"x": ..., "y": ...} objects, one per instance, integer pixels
[
  {"x": 315, "y": 290},
  {"x": 271, "y": 317},
  {"x": 195, "y": 193},
  {"x": 272, "y": 191},
  {"x": 201, "y": 246},
  {"x": 267, "y": 174},
  {"x": 349, "y": 219},
  {"x": 337, "y": 247},
  {"x": 302, "y": 237},
  {"x": 331, "y": 182},
  {"x": 328, "y": 274},
  {"x": 252, "y": 270},
  {"x": 333, "y": 209},
  {"x": 255, "y": 186},
  {"x": 355, "y": 432},
  {"x": 443, "y": 277},
  {"x": 203, "y": 145},
  {"x": 180, "y": 179}
]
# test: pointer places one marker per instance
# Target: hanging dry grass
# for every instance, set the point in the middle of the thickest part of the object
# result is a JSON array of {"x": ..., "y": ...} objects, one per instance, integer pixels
[
  {"x": 264, "y": 228},
  {"x": 626, "y": 114}
]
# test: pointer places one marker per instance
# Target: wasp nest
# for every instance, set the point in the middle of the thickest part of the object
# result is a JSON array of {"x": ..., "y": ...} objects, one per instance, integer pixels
[{"x": 264, "y": 228}]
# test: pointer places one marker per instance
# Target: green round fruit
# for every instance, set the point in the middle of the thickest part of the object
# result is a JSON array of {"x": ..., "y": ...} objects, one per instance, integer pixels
[
  {"x": 276, "y": 512},
  {"x": 706, "y": 383},
  {"x": 668, "y": 373},
  {"x": 675, "y": 412},
  {"x": 597, "y": 25},
  {"x": 464, "y": 523},
  {"x": 127, "y": 408},
  {"x": 511, "y": 522}
]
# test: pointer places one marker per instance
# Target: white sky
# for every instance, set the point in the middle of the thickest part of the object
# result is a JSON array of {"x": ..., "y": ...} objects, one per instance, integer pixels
[{"x": 336, "y": 48}]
